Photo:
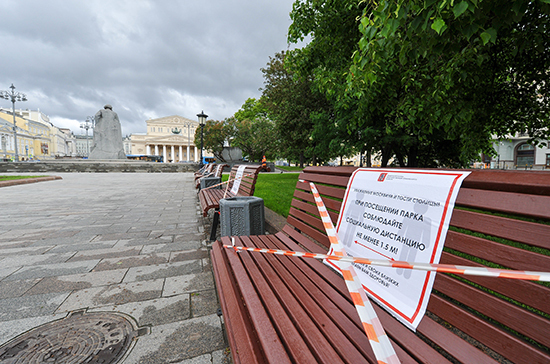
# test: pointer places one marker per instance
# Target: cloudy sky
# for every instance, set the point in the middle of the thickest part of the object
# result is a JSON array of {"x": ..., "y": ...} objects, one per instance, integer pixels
[{"x": 147, "y": 58}]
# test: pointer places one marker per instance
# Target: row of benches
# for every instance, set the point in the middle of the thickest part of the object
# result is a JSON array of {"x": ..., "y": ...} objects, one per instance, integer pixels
[{"x": 280, "y": 309}]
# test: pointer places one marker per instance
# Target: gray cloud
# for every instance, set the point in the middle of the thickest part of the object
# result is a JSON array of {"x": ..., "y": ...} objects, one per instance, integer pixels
[{"x": 147, "y": 58}]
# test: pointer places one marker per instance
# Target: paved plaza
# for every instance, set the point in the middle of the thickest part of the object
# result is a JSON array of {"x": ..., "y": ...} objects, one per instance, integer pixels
[{"x": 126, "y": 243}]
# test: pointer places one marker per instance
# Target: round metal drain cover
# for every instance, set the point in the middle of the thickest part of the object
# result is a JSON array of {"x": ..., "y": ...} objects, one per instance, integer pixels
[{"x": 90, "y": 338}]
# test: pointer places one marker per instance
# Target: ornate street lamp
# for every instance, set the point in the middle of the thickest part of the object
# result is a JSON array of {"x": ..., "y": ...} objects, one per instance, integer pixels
[
  {"x": 88, "y": 124},
  {"x": 202, "y": 120},
  {"x": 14, "y": 96}
]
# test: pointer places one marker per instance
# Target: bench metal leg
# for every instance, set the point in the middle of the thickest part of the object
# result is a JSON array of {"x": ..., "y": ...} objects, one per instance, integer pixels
[{"x": 215, "y": 224}]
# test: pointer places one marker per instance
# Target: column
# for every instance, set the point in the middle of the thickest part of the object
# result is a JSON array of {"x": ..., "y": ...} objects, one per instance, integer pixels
[
  {"x": 156, "y": 149},
  {"x": 173, "y": 154},
  {"x": 181, "y": 155},
  {"x": 196, "y": 155},
  {"x": 148, "y": 148},
  {"x": 188, "y": 153},
  {"x": 164, "y": 154}
]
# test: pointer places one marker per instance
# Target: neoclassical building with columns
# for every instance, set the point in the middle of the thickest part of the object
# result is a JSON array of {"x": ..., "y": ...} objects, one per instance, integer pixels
[{"x": 172, "y": 137}]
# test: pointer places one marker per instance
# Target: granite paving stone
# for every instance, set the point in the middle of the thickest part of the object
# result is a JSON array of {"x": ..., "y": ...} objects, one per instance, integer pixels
[
  {"x": 188, "y": 284},
  {"x": 50, "y": 270},
  {"x": 20, "y": 260},
  {"x": 175, "y": 342},
  {"x": 11, "y": 289},
  {"x": 106, "y": 253},
  {"x": 30, "y": 306},
  {"x": 75, "y": 282},
  {"x": 137, "y": 274},
  {"x": 162, "y": 248},
  {"x": 132, "y": 261},
  {"x": 154, "y": 312},
  {"x": 114, "y": 294}
]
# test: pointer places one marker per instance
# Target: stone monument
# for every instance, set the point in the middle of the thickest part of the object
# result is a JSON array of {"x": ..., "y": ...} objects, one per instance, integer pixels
[{"x": 107, "y": 136}]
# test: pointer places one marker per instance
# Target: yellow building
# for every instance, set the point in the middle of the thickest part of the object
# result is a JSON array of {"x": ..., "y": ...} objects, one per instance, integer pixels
[
  {"x": 37, "y": 137},
  {"x": 172, "y": 137},
  {"x": 33, "y": 138}
]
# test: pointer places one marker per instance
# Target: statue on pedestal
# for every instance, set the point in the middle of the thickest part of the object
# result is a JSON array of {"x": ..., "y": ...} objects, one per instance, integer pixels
[{"x": 107, "y": 136}]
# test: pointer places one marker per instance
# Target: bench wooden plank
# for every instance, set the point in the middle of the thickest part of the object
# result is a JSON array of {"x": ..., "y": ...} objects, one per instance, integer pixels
[
  {"x": 502, "y": 227},
  {"x": 499, "y": 340},
  {"x": 241, "y": 337},
  {"x": 502, "y": 254}
]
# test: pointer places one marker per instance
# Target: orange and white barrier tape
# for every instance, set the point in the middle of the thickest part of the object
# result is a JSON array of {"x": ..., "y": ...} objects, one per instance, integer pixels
[
  {"x": 442, "y": 268},
  {"x": 226, "y": 182},
  {"x": 379, "y": 341}
]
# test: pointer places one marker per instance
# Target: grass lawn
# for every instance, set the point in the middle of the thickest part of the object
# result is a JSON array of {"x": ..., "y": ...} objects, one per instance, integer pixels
[
  {"x": 290, "y": 168},
  {"x": 276, "y": 190},
  {"x": 9, "y": 178}
]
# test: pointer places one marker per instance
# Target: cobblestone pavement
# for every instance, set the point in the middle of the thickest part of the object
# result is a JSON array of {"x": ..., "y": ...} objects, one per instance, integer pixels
[{"x": 129, "y": 243}]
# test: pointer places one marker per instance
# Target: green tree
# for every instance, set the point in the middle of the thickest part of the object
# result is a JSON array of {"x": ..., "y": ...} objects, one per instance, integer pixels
[
  {"x": 325, "y": 60},
  {"x": 217, "y": 135},
  {"x": 428, "y": 82},
  {"x": 457, "y": 73},
  {"x": 254, "y": 132},
  {"x": 291, "y": 102}
]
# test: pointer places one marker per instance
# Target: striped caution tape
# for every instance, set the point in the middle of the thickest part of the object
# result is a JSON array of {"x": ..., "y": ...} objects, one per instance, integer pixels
[
  {"x": 379, "y": 341},
  {"x": 227, "y": 182},
  {"x": 442, "y": 268}
]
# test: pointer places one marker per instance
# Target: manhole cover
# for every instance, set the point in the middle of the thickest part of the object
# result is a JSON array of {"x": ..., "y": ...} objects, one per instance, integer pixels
[{"x": 90, "y": 338}]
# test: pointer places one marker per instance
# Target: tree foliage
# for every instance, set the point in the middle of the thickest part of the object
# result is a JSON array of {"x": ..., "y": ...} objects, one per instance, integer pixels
[
  {"x": 428, "y": 81},
  {"x": 254, "y": 132},
  {"x": 216, "y": 135},
  {"x": 294, "y": 105}
]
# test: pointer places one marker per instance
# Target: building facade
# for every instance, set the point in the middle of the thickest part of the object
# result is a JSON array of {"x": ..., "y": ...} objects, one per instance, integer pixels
[
  {"x": 37, "y": 137},
  {"x": 171, "y": 137},
  {"x": 516, "y": 153}
]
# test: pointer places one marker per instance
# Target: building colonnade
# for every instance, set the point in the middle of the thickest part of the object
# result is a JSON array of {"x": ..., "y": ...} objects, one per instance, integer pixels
[{"x": 174, "y": 153}]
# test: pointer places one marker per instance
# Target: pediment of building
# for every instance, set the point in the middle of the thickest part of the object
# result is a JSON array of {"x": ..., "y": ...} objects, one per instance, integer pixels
[
  {"x": 175, "y": 120},
  {"x": 163, "y": 139}
]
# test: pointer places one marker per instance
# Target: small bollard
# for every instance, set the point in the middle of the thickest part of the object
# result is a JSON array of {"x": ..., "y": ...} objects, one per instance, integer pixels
[{"x": 242, "y": 216}]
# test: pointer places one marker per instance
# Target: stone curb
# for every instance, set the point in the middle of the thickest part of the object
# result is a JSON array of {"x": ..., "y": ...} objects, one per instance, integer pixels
[
  {"x": 273, "y": 221},
  {"x": 24, "y": 181}
]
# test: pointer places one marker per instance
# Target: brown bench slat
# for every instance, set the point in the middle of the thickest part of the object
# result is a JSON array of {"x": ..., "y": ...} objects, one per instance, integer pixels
[
  {"x": 351, "y": 348},
  {"x": 518, "y": 319},
  {"x": 267, "y": 325},
  {"x": 240, "y": 337},
  {"x": 316, "y": 342},
  {"x": 525, "y": 292},
  {"x": 517, "y": 203},
  {"x": 505, "y": 255},
  {"x": 511, "y": 229},
  {"x": 499, "y": 340},
  {"x": 518, "y": 181}
]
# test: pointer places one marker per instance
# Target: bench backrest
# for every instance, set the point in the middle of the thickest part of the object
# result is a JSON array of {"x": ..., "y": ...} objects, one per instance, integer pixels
[
  {"x": 218, "y": 171},
  {"x": 247, "y": 183},
  {"x": 501, "y": 219}
]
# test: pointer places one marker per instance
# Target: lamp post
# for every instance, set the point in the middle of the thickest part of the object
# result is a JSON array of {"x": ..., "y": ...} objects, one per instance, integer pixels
[
  {"x": 14, "y": 96},
  {"x": 88, "y": 124},
  {"x": 202, "y": 120}
]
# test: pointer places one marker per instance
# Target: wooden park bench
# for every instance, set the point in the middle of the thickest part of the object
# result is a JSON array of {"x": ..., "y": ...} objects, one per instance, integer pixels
[
  {"x": 243, "y": 185},
  {"x": 280, "y": 309},
  {"x": 205, "y": 170},
  {"x": 217, "y": 171}
]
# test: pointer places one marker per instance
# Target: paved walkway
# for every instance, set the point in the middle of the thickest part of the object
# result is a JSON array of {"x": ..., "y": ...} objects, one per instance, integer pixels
[{"x": 131, "y": 243}]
